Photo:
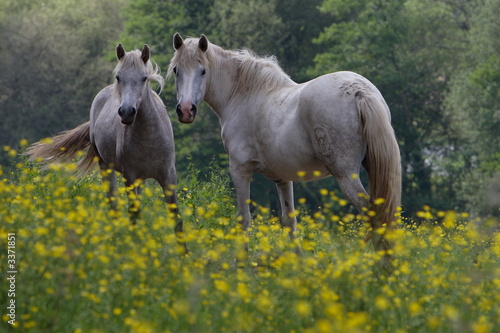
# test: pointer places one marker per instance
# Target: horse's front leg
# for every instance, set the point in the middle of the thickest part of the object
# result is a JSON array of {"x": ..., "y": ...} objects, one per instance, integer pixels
[
  {"x": 241, "y": 180},
  {"x": 173, "y": 208},
  {"x": 134, "y": 191},
  {"x": 288, "y": 217},
  {"x": 109, "y": 177}
]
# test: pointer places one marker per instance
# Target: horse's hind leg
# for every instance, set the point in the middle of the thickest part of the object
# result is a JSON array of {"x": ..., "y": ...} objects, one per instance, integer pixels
[
  {"x": 343, "y": 161},
  {"x": 354, "y": 191}
]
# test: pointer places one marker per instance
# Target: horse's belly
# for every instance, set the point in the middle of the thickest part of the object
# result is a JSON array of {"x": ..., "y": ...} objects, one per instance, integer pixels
[
  {"x": 293, "y": 169},
  {"x": 285, "y": 152}
]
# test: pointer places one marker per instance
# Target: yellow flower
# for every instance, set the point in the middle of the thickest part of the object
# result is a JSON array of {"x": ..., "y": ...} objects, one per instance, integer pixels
[
  {"x": 414, "y": 308},
  {"x": 303, "y": 308},
  {"x": 449, "y": 219},
  {"x": 41, "y": 231},
  {"x": 29, "y": 324},
  {"x": 335, "y": 310},
  {"x": 451, "y": 312},
  {"x": 23, "y": 143},
  {"x": 104, "y": 259},
  {"x": 58, "y": 251},
  {"x": 222, "y": 285},
  {"x": 433, "y": 322},
  {"x": 264, "y": 303},
  {"x": 243, "y": 292},
  {"x": 40, "y": 249},
  {"x": 324, "y": 326},
  {"x": 381, "y": 303},
  {"x": 482, "y": 325}
]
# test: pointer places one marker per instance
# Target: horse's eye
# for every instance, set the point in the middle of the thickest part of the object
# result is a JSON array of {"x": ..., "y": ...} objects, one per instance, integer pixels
[
  {"x": 174, "y": 70},
  {"x": 144, "y": 79},
  {"x": 203, "y": 72},
  {"x": 117, "y": 78}
]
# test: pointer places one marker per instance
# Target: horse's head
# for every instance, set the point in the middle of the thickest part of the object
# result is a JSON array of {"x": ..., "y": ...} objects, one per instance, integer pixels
[
  {"x": 132, "y": 75},
  {"x": 190, "y": 78}
]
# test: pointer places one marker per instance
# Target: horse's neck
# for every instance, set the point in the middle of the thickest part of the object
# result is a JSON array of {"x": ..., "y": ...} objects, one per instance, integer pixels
[
  {"x": 219, "y": 90},
  {"x": 226, "y": 91},
  {"x": 148, "y": 115}
]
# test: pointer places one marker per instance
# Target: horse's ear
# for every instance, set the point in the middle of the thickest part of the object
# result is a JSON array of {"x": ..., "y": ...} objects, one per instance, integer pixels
[
  {"x": 120, "y": 51},
  {"x": 203, "y": 43},
  {"x": 145, "y": 53},
  {"x": 178, "y": 41}
]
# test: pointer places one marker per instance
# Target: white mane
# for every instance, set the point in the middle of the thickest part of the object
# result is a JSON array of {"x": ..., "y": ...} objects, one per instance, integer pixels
[{"x": 254, "y": 72}]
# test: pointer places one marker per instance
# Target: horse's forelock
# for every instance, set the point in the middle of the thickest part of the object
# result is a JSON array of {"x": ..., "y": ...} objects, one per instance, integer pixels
[
  {"x": 133, "y": 60},
  {"x": 189, "y": 55}
]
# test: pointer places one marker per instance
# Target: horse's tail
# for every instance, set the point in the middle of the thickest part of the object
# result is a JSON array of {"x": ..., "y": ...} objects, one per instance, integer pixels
[
  {"x": 382, "y": 161},
  {"x": 64, "y": 147}
]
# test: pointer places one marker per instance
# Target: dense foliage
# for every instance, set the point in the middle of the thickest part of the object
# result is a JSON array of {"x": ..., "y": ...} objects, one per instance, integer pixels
[
  {"x": 435, "y": 61},
  {"x": 82, "y": 268}
]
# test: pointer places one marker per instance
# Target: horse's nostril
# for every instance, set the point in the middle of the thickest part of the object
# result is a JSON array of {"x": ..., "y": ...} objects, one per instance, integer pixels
[
  {"x": 127, "y": 111},
  {"x": 193, "y": 108}
]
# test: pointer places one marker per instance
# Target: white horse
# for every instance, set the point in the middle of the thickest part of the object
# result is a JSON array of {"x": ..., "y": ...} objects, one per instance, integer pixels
[{"x": 329, "y": 126}]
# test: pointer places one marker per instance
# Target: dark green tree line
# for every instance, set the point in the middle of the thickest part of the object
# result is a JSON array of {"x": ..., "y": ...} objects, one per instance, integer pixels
[
  {"x": 435, "y": 61},
  {"x": 472, "y": 104},
  {"x": 408, "y": 50},
  {"x": 52, "y": 63}
]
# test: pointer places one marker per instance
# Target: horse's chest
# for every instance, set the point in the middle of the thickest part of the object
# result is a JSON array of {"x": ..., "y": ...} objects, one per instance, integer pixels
[{"x": 141, "y": 151}]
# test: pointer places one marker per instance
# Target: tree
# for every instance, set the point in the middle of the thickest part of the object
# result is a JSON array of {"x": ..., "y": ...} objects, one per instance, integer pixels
[
  {"x": 52, "y": 63},
  {"x": 302, "y": 22},
  {"x": 472, "y": 104},
  {"x": 408, "y": 50},
  {"x": 250, "y": 24}
]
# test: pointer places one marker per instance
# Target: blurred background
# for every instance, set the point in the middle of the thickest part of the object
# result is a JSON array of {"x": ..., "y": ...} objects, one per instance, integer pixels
[{"x": 436, "y": 62}]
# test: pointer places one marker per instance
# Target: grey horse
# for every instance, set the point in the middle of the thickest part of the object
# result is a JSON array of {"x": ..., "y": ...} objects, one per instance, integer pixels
[{"x": 129, "y": 132}]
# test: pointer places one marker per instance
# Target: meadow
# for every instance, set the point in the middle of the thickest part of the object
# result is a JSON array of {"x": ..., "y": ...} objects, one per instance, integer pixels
[{"x": 82, "y": 268}]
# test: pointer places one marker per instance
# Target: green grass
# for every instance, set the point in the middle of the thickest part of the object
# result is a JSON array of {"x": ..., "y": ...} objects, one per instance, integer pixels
[{"x": 79, "y": 269}]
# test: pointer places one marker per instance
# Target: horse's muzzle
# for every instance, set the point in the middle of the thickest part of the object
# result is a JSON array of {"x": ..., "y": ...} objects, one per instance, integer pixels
[
  {"x": 127, "y": 115},
  {"x": 186, "y": 113}
]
